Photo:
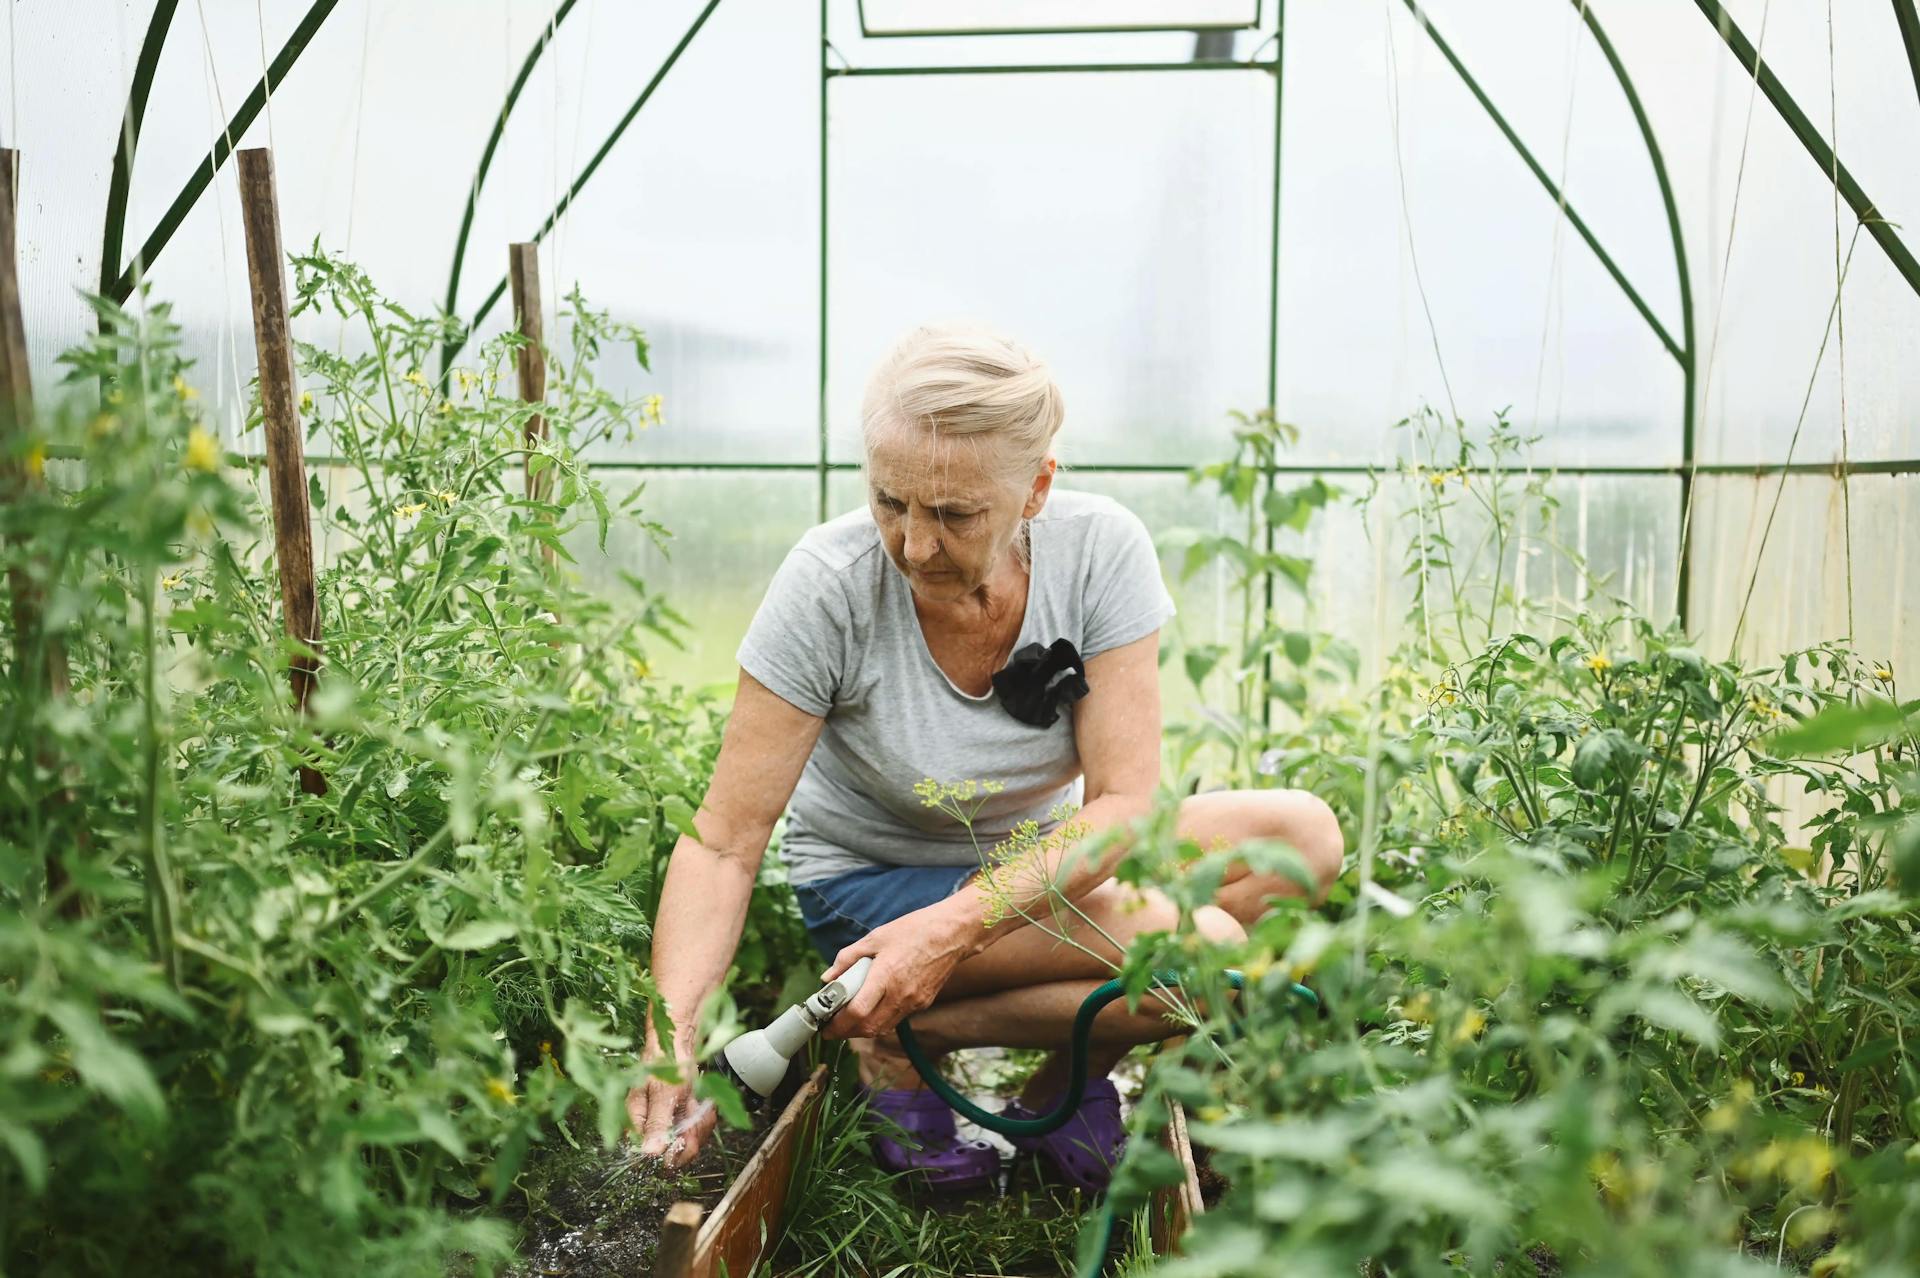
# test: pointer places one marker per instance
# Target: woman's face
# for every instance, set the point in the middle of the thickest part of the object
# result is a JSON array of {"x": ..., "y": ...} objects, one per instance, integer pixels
[{"x": 947, "y": 518}]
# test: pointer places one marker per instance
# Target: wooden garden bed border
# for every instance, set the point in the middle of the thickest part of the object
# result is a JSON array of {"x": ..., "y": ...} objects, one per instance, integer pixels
[{"x": 696, "y": 1243}]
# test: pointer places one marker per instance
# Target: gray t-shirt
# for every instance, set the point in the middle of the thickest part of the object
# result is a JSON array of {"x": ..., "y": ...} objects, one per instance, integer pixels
[{"x": 837, "y": 636}]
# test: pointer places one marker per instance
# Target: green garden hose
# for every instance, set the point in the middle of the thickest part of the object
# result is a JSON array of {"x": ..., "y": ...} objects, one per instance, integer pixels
[{"x": 1061, "y": 1113}]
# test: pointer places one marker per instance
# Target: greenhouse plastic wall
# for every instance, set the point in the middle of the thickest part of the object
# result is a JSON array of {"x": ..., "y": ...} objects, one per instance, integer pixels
[{"x": 1339, "y": 227}]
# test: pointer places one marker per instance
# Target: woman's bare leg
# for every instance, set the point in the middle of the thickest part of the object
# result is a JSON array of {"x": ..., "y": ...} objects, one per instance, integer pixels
[{"x": 1025, "y": 989}]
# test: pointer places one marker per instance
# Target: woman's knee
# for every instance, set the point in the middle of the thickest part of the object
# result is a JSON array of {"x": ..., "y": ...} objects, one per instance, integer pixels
[
  {"x": 1218, "y": 925},
  {"x": 1301, "y": 820}
]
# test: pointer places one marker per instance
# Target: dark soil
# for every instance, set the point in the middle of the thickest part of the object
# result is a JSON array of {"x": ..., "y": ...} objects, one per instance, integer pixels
[
  {"x": 1213, "y": 1186},
  {"x": 591, "y": 1212}
]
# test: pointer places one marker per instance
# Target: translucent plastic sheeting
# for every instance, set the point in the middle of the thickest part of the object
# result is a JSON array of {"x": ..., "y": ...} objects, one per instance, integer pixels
[
  {"x": 1116, "y": 224},
  {"x": 1445, "y": 239},
  {"x": 1364, "y": 583},
  {"x": 1800, "y": 591},
  {"x": 730, "y": 530},
  {"x": 1759, "y": 219},
  {"x": 699, "y": 226}
]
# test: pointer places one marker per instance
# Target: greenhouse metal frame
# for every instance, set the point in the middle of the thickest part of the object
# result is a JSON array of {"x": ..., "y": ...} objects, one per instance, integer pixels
[{"x": 118, "y": 282}]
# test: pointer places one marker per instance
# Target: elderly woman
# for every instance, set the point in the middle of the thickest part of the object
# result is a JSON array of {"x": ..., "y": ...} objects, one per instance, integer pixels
[{"x": 870, "y": 665}]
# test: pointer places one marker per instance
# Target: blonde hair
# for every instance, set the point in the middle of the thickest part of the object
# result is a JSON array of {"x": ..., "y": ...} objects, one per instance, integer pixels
[{"x": 971, "y": 383}]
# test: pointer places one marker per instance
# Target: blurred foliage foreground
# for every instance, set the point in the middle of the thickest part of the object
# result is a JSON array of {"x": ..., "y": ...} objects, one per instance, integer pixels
[
  {"x": 248, "y": 1030},
  {"x": 1592, "y": 1003}
]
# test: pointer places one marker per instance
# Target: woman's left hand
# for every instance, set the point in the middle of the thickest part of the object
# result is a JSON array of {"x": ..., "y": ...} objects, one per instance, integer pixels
[{"x": 912, "y": 958}]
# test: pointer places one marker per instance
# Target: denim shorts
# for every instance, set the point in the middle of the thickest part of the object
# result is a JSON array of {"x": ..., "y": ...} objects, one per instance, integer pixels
[{"x": 840, "y": 910}]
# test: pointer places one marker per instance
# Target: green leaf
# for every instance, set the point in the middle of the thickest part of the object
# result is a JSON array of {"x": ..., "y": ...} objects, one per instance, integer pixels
[
  {"x": 479, "y": 934},
  {"x": 1869, "y": 1054},
  {"x": 1850, "y": 728},
  {"x": 1199, "y": 554},
  {"x": 27, "y": 1151},
  {"x": 1299, "y": 646},
  {"x": 105, "y": 1064},
  {"x": 1675, "y": 1011},
  {"x": 718, "y": 1088},
  {"x": 1905, "y": 845},
  {"x": 1201, "y": 660},
  {"x": 679, "y": 815},
  {"x": 1592, "y": 760},
  {"x": 437, "y": 1127}
]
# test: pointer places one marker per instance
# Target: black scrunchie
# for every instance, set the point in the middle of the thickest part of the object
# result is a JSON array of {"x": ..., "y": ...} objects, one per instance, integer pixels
[{"x": 1038, "y": 681}]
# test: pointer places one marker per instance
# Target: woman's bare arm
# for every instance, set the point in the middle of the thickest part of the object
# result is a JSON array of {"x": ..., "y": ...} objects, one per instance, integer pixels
[{"x": 703, "y": 903}]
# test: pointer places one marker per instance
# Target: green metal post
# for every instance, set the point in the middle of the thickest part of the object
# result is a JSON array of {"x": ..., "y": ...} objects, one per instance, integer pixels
[
  {"x": 821, "y": 385},
  {"x": 1689, "y": 363},
  {"x": 1273, "y": 332}
]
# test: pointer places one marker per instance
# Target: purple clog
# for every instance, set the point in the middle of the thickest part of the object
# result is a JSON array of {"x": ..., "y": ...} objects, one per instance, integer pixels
[
  {"x": 931, "y": 1148},
  {"x": 1085, "y": 1151}
]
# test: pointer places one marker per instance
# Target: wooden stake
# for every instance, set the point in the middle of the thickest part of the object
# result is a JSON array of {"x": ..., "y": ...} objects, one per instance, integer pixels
[
  {"x": 40, "y": 659},
  {"x": 674, "y": 1257},
  {"x": 523, "y": 269},
  {"x": 286, "y": 459},
  {"x": 16, "y": 380}
]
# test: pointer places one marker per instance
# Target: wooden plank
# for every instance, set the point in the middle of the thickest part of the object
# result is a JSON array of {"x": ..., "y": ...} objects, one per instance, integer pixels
[
  {"x": 530, "y": 361},
  {"x": 677, "y": 1239},
  {"x": 1175, "y": 1207},
  {"x": 286, "y": 459},
  {"x": 749, "y": 1216}
]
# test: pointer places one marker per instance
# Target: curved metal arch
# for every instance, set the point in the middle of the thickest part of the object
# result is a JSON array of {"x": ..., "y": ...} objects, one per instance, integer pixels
[
  {"x": 587, "y": 171},
  {"x": 547, "y": 32},
  {"x": 1689, "y": 365},
  {"x": 148, "y": 63},
  {"x": 1816, "y": 146},
  {"x": 196, "y": 185},
  {"x": 1574, "y": 219}
]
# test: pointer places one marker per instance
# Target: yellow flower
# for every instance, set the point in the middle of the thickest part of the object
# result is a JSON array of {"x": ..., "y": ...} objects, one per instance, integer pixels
[
  {"x": 1211, "y": 1113},
  {"x": 37, "y": 460},
  {"x": 1883, "y": 674},
  {"x": 102, "y": 426},
  {"x": 1599, "y": 663},
  {"x": 1437, "y": 479},
  {"x": 171, "y": 581},
  {"x": 501, "y": 1090},
  {"x": 447, "y": 497},
  {"x": 184, "y": 391},
  {"x": 1762, "y": 708},
  {"x": 410, "y": 510},
  {"x": 1470, "y": 1026},
  {"x": 1724, "y": 1117},
  {"x": 640, "y": 668},
  {"x": 547, "y": 1057},
  {"x": 417, "y": 377},
  {"x": 1419, "y": 1008},
  {"x": 203, "y": 454},
  {"x": 651, "y": 410},
  {"x": 1797, "y": 1078},
  {"x": 306, "y": 402},
  {"x": 465, "y": 379}
]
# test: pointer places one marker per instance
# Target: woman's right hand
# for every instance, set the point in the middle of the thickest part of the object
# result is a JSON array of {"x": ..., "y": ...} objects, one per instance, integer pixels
[{"x": 657, "y": 1106}]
